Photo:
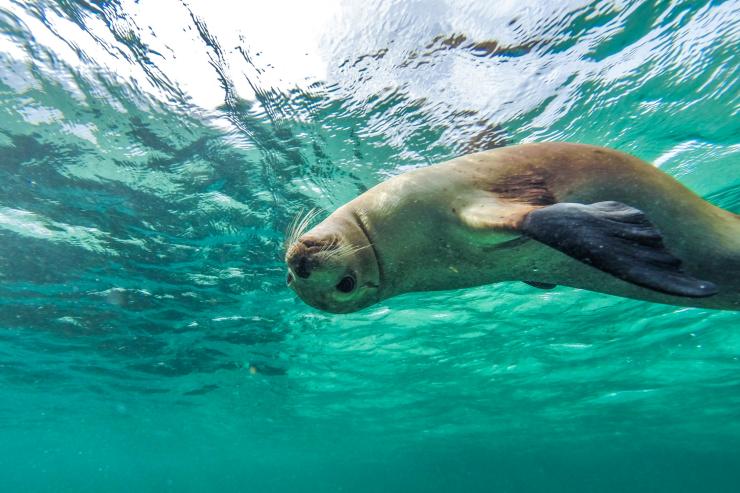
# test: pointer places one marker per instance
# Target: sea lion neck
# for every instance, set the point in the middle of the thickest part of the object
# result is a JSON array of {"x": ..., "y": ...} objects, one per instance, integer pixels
[{"x": 361, "y": 221}]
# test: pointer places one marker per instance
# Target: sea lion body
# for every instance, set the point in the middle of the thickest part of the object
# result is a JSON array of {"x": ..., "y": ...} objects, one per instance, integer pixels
[{"x": 459, "y": 224}]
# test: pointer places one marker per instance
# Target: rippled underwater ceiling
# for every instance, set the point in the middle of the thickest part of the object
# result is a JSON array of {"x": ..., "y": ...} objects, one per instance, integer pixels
[{"x": 153, "y": 153}]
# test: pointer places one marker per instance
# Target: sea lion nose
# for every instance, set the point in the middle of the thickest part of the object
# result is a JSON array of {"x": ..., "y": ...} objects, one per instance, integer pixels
[
  {"x": 299, "y": 262},
  {"x": 302, "y": 267},
  {"x": 302, "y": 256}
]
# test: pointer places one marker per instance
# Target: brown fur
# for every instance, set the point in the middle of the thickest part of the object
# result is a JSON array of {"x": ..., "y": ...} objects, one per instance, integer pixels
[{"x": 528, "y": 188}]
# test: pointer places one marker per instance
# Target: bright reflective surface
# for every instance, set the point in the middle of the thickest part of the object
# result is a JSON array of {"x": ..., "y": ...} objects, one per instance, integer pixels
[{"x": 152, "y": 155}]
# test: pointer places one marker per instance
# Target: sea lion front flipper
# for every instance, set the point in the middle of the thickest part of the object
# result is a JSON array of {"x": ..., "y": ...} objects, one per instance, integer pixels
[{"x": 617, "y": 239}]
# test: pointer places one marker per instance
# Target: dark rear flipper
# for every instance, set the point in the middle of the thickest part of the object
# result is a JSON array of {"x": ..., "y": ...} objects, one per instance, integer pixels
[
  {"x": 541, "y": 285},
  {"x": 617, "y": 239}
]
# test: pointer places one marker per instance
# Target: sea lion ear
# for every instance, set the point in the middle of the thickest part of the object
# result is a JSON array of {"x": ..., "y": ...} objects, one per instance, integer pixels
[{"x": 617, "y": 239}]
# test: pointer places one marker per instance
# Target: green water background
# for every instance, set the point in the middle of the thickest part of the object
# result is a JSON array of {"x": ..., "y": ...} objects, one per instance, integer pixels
[{"x": 147, "y": 340}]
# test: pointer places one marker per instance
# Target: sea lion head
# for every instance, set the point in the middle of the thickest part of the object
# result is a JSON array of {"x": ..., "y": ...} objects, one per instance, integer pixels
[{"x": 333, "y": 266}]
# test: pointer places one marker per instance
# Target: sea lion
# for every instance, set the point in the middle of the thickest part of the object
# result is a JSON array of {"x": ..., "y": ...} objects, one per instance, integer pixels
[{"x": 547, "y": 214}]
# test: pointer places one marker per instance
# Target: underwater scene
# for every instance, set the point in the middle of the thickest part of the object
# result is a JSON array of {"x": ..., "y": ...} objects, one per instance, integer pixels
[{"x": 154, "y": 155}]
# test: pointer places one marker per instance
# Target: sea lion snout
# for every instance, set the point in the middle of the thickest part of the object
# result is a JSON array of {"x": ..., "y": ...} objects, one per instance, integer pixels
[
  {"x": 333, "y": 267},
  {"x": 301, "y": 266},
  {"x": 302, "y": 256},
  {"x": 299, "y": 260}
]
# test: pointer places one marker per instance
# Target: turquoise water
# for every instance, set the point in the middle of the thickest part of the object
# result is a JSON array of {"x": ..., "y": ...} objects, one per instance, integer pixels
[{"x": 152, "y": 154}]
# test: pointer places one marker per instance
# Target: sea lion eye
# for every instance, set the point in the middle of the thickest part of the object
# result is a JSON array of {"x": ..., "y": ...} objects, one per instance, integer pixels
[{"x": 347, "y": 284}]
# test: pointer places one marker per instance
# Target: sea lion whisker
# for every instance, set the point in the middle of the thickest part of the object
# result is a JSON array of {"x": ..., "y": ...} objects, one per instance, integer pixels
[
  {"x": 295, "y": 224},
  {"x": 341, "y": 251},
  {"x": 290, "y": 231},
  {"x": 326, "y": 253},
  {"x": 299, "y": 225},
  {"x": 312, "y": 214},
  {"x": 357, "y": 248}
]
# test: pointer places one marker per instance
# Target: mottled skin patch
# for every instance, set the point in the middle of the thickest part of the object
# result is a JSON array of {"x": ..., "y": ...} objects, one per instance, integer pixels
[{"x": 526, "y": 188}]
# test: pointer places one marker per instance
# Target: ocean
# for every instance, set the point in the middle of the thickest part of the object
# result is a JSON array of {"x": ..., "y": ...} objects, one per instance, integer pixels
[{"x": 153, "y": 155}]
